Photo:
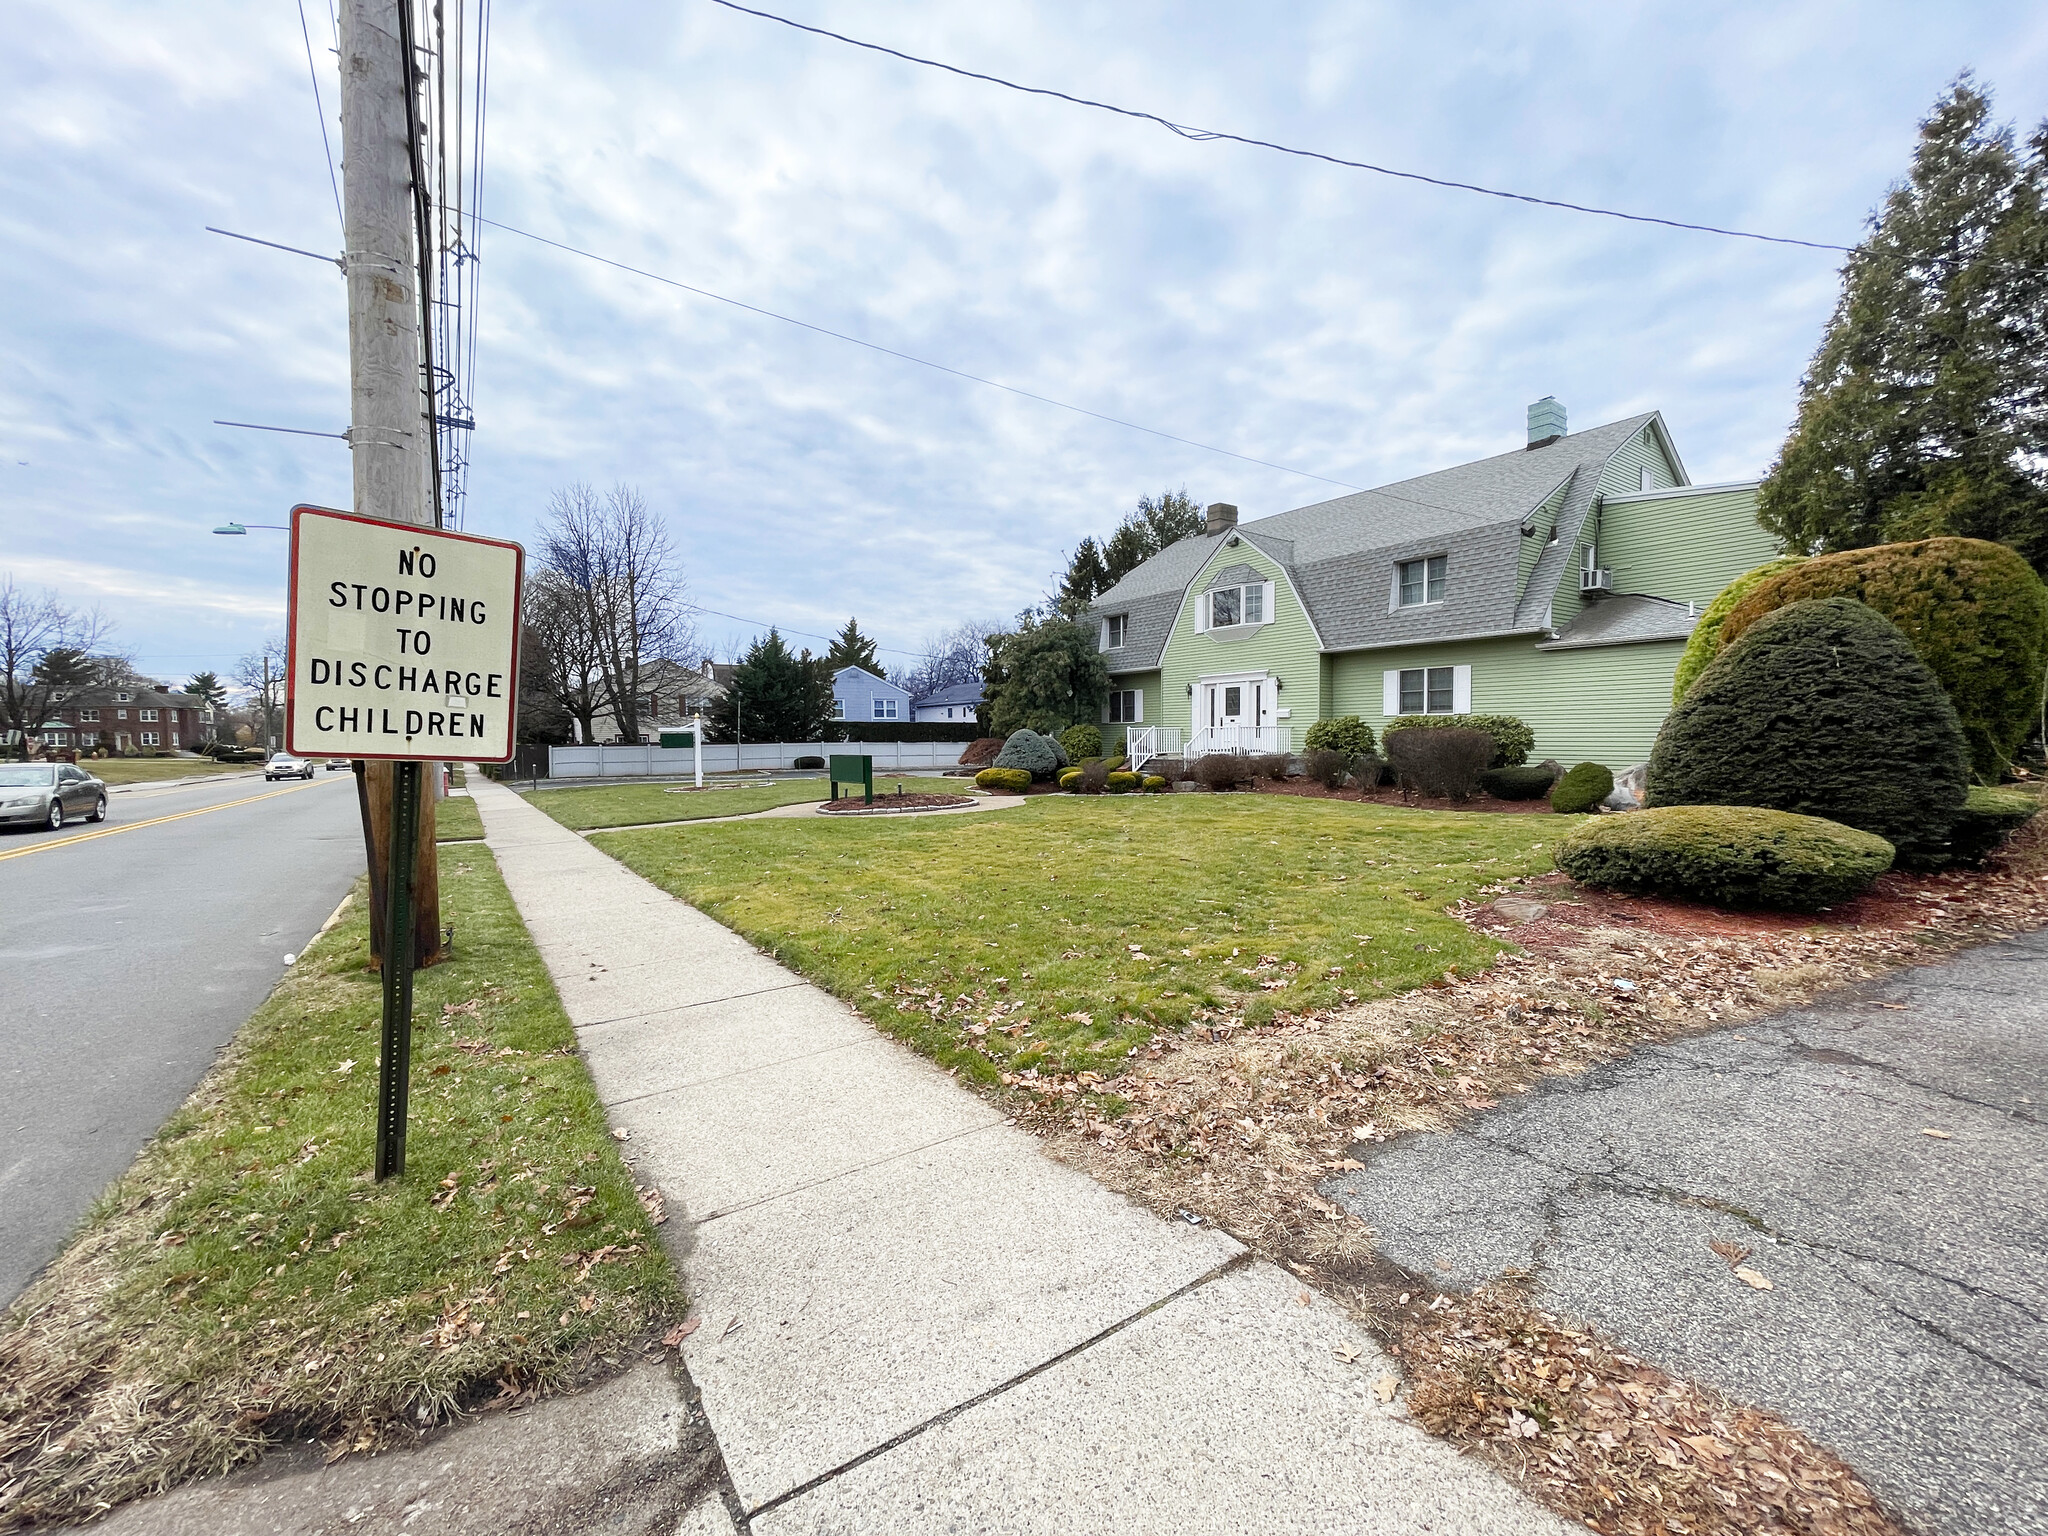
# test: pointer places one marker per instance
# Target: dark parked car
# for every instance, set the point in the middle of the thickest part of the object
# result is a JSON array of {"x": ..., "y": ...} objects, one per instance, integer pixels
[{"x": 49, "y": 794}]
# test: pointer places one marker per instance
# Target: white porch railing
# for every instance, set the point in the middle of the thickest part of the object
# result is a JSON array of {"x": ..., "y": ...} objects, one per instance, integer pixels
[
  {"x": 1240, "y": 740},
  {"x": 1143, "y": 743}
]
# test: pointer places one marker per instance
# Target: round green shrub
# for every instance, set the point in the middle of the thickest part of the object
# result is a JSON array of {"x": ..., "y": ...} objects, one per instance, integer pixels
[
  {"x": 1081, "y": 741},
  {"x": 1004, "y": 781},
  {"x": 1520, "y": 783},
  {"x": 1735, "y": 855},
  {"x": 1153, "y": 784},
  {"x": 1823, "y": 709},
  {"x": 1343, "y": 733},
  {"x": 1581, "y": 789},
  {"x": 1988, "y": 818},
  {"x": 1070, "y": 778},
  {"x": 1122, "y": 783},
  {"x": 1706, "y": 640},
  {"x": 1974, "y": 611},
  {"x": 1513, "y": 740},
  {"x": 1039, "y": 756}
]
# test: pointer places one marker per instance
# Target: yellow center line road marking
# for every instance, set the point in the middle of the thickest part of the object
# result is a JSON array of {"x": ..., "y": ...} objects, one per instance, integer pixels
[{"x": 157, "y": 821}]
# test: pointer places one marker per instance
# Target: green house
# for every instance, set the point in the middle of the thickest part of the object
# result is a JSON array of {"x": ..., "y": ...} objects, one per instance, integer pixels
[{"x": 1557, "y": 583}]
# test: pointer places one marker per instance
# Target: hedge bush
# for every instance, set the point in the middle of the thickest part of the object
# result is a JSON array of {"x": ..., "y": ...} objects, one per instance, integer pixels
[
  {"x": 1973, "y": 611},
  {"x": 1269, "y": 765},
  {"x": 1220, "y": 770},
  {"x": 1010, "y": 781},
  {"x": 981, "y": 752},
  {"x": 1706, "y": 640},
  {"x": 1821, "y": 708},
  {"x": 1039, "y": 756},
  {"x": 1070, "y": 778},
  {"x": 1581, "y": 789},
  {"x": 1736, "y": 855},
  {"x": 1513, "y": 740},
  {"x": 1153, "y": 784},
  {"x": 808, "y": 762},
  {"x": 1988, "y": 818},
  {"x": 1121, "y": 783},
  {"x": 1342, "y": 733},
  {"x": 1327, "y": 766},
  {"x": 1523, "y": 783},
  {"x": 1441, "y": 764},
  {"x": 1081, "y": 741}
]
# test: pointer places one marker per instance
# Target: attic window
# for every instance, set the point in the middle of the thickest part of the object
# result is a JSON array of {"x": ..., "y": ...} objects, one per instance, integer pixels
[
  {"x": 1422, "y": 581},
  {"x": 1116, "y": 629},
  {"x": 1232, "y": 606},
  {"x": 1646, "y": 479}
]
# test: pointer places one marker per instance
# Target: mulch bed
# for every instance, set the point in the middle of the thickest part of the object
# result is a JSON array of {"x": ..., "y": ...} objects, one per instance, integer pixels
[
  {"x": 1390, "y": 797},
  {"x": 1240, "y": 1124},
  {"x": 854, "y": 805}
]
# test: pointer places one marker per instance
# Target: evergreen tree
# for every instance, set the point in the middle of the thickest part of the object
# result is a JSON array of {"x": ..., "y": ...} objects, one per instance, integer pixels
[
  {"x": 1925, "y": 411},
  {"x": 851, "y": 648},
  {"x": 1157, "y": 522},
  {"x": 774, "y": 695},
  {"x": 1045, "y": 677}
]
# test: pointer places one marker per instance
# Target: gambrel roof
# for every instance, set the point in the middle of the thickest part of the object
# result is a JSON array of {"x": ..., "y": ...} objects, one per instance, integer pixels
[{"x": 1340, "y": 554}]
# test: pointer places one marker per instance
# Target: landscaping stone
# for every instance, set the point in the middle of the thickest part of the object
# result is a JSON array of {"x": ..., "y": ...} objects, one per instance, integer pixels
[{"x": 1520, "y": 909}]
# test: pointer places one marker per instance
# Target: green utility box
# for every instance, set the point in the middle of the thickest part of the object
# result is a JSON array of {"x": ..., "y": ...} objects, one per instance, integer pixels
[
  {"x": 679, "y": 738},
  {"x": 846, "y": 768}
]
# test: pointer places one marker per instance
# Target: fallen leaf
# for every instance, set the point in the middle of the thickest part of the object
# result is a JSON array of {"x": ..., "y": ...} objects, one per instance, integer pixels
[
  {"x": 1937, "y": 1135},
  {"x": 681, "y": 1331},
  {"x": 1751, "y": 1278},
  {"x": 1385, "y": 1388},
  {"x": 586, "y": 1302},
  {"x": 619, "y": 1135},
  {"x": 1302, "y": 1300},
  {"x": 1346, "y": 1352},
  {"x": 1734, "y": 1253}
]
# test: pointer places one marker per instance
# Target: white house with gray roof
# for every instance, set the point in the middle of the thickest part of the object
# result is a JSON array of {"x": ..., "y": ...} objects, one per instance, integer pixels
[{"x": 1557, "y": 583}]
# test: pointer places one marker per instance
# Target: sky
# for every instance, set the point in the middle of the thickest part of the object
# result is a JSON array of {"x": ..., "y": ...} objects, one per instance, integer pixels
[{"x": 1340, "y": 324}]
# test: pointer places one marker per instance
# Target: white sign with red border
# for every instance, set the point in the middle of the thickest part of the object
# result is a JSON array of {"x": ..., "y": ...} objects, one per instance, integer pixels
[{"x": 404, "y": 641}]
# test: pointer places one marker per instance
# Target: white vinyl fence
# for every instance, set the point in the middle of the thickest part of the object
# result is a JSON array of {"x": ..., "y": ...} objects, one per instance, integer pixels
[{"x": 679, "y": 762}]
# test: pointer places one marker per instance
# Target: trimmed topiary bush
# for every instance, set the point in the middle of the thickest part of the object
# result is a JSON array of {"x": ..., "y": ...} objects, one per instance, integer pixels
[
  {"x": 1121, "y": 783},
  {"x": 981, "y": 752},
  {"x": 1581, "y": 789},
  {"x": 1706, "y": 640},
  {"x": 1736, "y": 855},
  {"x": 1081, "y": 741},
  {"x": 1004, "y": 781},
  {"x": 1153, "y": 784},
  {"x": 1513, "y": 740},
  {"x": 1039, "y": 756},
  {"x": 1342, "y": 733},
  {"x": 1823, "y": 709},
  {"x": 1441, "y": 764},
  {"x": 1973, "y": 611},
  {"x": 1988, "y": 818},
  {"x": 1523, "y": 783},
  {"x": 1069, "y": 779}
]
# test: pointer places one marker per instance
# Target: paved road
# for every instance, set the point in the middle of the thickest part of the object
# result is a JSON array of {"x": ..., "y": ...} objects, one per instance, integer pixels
[
  {"x": 130, "y": 953},
  {"x": 1907, "y": 1323}
]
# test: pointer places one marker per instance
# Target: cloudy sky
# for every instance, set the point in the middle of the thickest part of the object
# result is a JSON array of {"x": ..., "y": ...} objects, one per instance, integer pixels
[{"x": 1337, "y": 323}]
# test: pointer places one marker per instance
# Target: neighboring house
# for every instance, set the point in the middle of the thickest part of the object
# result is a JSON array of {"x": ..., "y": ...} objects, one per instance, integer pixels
[
  {"x": 1557, "y": 583},
  {"x": 670, "y": 694},
  {"x": 957, "y": 703},
  {"x": 857, "y": 694},
  {"x": 136, "y": 718}
]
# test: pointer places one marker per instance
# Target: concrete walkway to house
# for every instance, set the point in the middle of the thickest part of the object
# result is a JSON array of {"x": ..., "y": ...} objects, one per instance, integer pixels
[{"x": 912, "y": 1319}]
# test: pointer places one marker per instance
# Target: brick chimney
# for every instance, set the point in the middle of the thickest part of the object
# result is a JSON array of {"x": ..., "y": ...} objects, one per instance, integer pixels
[
  {"x": 1546, "y": 422},
  {"x": 1222, "y": 516}
]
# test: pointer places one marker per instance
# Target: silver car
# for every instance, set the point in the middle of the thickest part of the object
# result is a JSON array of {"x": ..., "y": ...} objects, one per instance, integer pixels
[
  {"x": 285, "y": 766},
  {"x": 49, "y": 794}
]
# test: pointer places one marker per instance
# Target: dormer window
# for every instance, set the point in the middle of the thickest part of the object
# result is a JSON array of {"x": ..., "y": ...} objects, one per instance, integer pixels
[
  {"x": 1421, "y": 582},
  {"x": 1229, "y": 607},
  {"x": 1116, "y": 629}
]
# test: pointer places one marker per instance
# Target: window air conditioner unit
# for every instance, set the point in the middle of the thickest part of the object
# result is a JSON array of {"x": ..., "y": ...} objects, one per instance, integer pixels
[{"x": 1595, "y": 580}]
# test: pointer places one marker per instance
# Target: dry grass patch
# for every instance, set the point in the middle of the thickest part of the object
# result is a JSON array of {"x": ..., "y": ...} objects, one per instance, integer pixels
[{"x": 246, "y": 1282}]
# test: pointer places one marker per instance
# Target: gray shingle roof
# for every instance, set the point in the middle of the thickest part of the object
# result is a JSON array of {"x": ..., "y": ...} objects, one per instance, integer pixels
[
  {"x": 1340, "y": 554},
  {"x": 958, "y": 693},
  {"x": 1622, "y": 621}
]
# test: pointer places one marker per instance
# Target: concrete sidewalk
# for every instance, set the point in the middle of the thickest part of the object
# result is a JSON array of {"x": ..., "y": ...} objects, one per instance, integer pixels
[{"x": 912, "y": 1318}]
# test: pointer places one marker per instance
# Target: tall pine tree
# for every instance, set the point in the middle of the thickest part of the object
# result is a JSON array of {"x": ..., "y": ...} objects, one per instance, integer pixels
[
  {"x": 774, "y": 695},
  {"x": 1094, "y": 568},
  {"x": 851, "y": 648},
  {"x": 1925, "y": 410}
]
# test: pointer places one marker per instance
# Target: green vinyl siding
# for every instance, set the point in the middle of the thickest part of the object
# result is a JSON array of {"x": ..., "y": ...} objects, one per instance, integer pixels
[
  {"x": 1146, "y": 683},
  {"x": 1687, "y": 546},
  {"x": 1543, "y": 520},
  {"x": 1621, "y": 477},
  {"x": 1286, "y": 647},
  {"x": 1600, "y": 704}
]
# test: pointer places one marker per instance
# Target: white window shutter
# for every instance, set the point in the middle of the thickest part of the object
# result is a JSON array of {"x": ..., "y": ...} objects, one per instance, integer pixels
[
  {"x": 1138, "y": 706},
  {"x": 1461, "y": 690},
  {"x": 1390, "y": 702},
  {"x": 1202, "y": 611},
  {"x": 1269, "y": 602}
]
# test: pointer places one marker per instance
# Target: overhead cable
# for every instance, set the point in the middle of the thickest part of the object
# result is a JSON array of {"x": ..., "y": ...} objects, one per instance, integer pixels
[
  {"x": 1210, "y": 134},
  {"x": 321, "y": 113}
]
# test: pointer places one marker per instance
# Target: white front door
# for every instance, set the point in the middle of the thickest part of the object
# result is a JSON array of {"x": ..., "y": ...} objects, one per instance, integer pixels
[{"x": 1239, "y": 704}]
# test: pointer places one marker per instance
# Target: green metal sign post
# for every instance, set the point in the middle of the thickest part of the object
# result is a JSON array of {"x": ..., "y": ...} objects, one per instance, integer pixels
[
  {"x": 394, "y": 1065},
  {"x": 852, "y": 768}
]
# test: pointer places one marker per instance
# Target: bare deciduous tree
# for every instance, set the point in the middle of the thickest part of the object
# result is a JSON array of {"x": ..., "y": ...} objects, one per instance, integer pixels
[
  {"x": 613, "y": 557},
  {"x": 44, "y": 656},
  {"x": 955, "y": 655},
  {"x": 262, "y": 673},
  {"x": 560, "y": 662}
]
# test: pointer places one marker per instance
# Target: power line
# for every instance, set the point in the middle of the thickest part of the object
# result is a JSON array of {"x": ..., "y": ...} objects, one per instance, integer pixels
[
  {"x": 1209, "y": 134},
  {"x": 321, "y": 113},
  {"x": 804, "y": 634},
  {"x": 923, "y": 362}
]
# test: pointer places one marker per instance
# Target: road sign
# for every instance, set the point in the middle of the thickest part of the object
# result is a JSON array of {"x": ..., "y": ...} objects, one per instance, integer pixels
[{"x": 404, "y": 641}]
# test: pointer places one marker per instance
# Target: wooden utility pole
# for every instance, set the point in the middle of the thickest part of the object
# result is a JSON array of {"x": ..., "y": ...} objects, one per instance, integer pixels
[{"x": 391, "y": 406}]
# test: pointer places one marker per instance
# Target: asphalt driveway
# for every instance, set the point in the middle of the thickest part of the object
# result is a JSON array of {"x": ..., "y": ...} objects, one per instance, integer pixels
[{"x": 1884, "y": 1157}]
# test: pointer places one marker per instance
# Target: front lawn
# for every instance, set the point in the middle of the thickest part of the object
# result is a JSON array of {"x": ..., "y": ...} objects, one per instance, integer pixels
[
  {"x": 156, "y": 770},
  {"x": 1064, "y": 933},
  {"x": 456, "y": 820},
  {"x": 247, "y": 1283},
  {"x": 627, "y": 805}
]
